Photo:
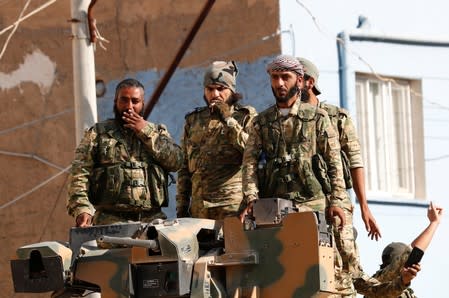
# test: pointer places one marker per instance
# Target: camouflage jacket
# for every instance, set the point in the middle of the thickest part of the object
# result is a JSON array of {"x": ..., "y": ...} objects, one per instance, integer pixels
[
  {"x": 349, "y": 143},
  {"x": 372, "y": 287},
  {"x": 287, "y": 144},
  {"x": 347, "y": 135},
  {"x": 391, "y": 272},
  {"x": 213, "y": 151},
  {"x": 116, "y": 168}
]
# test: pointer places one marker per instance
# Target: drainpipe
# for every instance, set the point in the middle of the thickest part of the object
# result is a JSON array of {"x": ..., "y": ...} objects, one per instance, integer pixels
[
  {"x": 342, "y": 43},
  {"x": 83, "y": 69},
  {"x": 343, "y": 39},
  {"x": 361, "y": 35}
]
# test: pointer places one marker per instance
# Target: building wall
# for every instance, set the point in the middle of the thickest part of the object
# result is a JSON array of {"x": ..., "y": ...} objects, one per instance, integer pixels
[
  {"x": 37, "y": 138},
  {"x": 315, "y": 25},
  {"x": 37, "y": 129}
]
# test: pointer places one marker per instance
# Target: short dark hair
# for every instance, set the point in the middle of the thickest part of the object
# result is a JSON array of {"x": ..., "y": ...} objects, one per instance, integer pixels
[{"x": 129, "y": 82}]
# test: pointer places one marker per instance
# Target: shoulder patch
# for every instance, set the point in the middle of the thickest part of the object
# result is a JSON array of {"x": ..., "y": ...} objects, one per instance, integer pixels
[
  {"x": 104, "y": 126},
  {"x": 196, "y": 110},
  {"x": 333, "y": 110},
  {"x": 249, "y": 109}
]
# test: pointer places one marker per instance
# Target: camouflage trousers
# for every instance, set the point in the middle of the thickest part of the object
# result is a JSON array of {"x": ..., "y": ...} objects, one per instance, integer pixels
[
  {"x": 348, "y": 264},
  {"x": 197, "y": 210}
]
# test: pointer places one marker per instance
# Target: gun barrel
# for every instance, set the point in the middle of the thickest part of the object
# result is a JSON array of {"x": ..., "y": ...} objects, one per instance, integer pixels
[{"x": 151, "y": 244}]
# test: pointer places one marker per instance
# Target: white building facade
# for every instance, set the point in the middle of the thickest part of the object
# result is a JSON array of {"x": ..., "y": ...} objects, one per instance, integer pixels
[{"x": 396, "y": 66}]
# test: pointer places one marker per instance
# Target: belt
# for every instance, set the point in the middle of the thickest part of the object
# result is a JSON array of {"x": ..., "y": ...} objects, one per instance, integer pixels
[{"x": 134, "y": 215}]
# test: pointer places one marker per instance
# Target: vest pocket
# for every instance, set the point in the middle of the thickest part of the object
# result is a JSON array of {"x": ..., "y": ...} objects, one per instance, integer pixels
[
  {"x": 319, "y": 167},
  {"x": 311, "y": 184},
  {"x": 106, "y": 184},
  {"x": 158, "y": 185}
]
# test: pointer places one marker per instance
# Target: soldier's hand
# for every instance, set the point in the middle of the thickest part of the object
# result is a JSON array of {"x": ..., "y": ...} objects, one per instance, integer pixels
[
  {"x": 246, "y": 211},
  {"x": 133, "y": 120},
  {"x": 434, "y": 213},
  {"x": 222, "y": 109},
  {"x": 333, "y": 212},
  {"x": 409, "y": 273},
  {"x": 83, "y": 220},
  {"x": 370, "y": 224}
]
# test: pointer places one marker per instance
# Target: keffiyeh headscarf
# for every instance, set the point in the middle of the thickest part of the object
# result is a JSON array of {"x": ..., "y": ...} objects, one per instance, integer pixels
[{"x": 285, "y": 63}]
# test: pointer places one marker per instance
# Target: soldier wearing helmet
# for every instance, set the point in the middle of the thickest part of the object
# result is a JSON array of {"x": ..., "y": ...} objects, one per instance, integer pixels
[
  {"x": 210, "y": 180},
  {"x": 395, "y": 254},
  {"x": 353, "y": 173}
]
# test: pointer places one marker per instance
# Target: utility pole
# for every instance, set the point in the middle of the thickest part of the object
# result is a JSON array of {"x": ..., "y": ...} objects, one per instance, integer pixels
[{"x": 83, "y": 69}]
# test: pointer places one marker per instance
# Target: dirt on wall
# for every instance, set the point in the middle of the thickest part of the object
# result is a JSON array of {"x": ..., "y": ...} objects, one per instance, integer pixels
[{"x": 37, "y": 127}]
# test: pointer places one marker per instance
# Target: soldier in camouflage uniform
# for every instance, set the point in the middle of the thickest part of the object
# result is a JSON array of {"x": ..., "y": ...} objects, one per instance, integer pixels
[
  {"x": 393, "y": 257},
  {"x": 353, "y": 173},
  {"x": 210, "y": 179},
  {"x": 121, "y": 165},
  {"x": 350, "y": 147},
  {"x": 351, "y": 270},
  {"x": 283, "y": 141},
  {"x": 395, "y": 254}
]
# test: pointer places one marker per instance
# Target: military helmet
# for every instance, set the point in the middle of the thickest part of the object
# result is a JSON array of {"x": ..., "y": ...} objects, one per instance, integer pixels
[
  {"x": 312, "y": 71},
  {"x": 392, "y": 251}
]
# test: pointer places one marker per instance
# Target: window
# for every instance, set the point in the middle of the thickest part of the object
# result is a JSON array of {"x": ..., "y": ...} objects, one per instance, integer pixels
[{"x": 389, "y": 120}]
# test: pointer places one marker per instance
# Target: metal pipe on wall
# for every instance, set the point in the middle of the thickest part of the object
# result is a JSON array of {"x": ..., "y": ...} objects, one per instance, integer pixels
[
  {"x": 343, "y": 39},
  {"x": 83, "y": 69},
  {"x": 342, "y": 69}
]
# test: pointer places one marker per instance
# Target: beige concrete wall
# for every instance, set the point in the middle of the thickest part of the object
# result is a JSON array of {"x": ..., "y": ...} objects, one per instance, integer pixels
[{"x": 36, "y": 91}]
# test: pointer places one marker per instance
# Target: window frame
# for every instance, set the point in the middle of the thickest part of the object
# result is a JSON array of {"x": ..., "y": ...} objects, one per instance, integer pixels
[{"x": 379, "y": 142}]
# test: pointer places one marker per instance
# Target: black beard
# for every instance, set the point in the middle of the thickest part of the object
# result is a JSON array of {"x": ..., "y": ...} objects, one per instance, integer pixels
[
  {"x": 305, "y": 96},
  {"x": 283, "y": 99},
  {"x": 118, "y": 115}
]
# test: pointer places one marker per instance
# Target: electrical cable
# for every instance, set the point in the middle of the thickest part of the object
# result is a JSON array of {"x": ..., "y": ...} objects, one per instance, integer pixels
[
  {"x": 360, "y": 58},
  {"x": 42, "y": 7},
  {"x": 47, "y": 223},
  {"x": 18, "y": 198},
  {"x": 8, "y": 130},
  {"x": 16, "y": 25},
  {"x": 32, "y": 156}
]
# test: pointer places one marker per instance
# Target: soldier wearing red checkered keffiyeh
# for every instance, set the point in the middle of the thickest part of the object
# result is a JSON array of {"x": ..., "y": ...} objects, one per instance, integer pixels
[
  {"x": 285, "y": 93},
  {"x": 285, "y": 63}
]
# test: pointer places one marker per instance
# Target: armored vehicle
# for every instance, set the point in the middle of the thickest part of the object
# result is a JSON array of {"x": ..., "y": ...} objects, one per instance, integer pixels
[{"x": 276, "y": 253}]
